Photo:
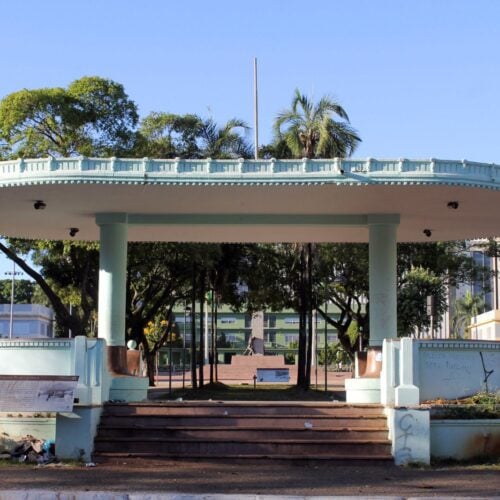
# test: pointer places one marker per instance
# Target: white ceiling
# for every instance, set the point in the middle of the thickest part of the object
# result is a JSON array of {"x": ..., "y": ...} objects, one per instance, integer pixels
[{"x": 419, "y": 206}]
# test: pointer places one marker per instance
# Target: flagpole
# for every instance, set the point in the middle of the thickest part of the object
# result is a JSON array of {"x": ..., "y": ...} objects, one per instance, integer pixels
[{"x": 256, "y": 110}]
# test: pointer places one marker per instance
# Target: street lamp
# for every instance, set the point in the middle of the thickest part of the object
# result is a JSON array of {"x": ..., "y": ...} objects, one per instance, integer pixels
[
  {"x": 187, "y": 312},
  {"x": 12, "y": 273}
]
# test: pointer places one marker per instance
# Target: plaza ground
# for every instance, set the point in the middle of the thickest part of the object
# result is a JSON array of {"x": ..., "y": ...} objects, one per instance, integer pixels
[{"x": 258, "y": 477}]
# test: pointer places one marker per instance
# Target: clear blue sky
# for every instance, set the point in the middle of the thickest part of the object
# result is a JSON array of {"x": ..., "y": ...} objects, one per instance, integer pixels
[{"x": 418, "y": 78}]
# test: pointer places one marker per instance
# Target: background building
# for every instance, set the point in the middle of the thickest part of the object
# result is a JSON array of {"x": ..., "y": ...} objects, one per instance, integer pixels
[
  {"x": 279, "y": 332},
  {"x": 28, "y": 321}
]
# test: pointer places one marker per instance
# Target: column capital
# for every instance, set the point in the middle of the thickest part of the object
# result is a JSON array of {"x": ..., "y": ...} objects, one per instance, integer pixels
[
  {"x": 111, "y": 218},
  {"x": 383, "y": 219}
]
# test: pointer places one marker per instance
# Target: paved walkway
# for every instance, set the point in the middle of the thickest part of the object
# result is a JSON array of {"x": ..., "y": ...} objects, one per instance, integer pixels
[
  {"x": 210, "y": 479},
  {"x": 102, "y": 495}
]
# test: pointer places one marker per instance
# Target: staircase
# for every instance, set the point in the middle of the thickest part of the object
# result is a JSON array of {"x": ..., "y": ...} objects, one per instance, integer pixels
[{"x": 292, "y": 430}]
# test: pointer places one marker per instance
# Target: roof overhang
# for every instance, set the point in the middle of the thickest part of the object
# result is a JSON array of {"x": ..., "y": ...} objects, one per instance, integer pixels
[{"x": 249, "y": 201}]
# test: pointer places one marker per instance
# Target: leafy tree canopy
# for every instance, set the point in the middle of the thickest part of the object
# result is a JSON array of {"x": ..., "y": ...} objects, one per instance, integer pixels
[
  {"x": 92, "y": 116},
  {"x": 24, "y": 291},
  {"x": 165, "y": 135}
]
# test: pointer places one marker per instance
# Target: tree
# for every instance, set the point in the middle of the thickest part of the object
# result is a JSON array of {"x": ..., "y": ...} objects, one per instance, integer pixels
[
  {"x": 224, "y": 142},
  {"x": 92, "y": 116},
  {"x": 415, "y": 287},
  {"x": 465, "y": 309},
  {"x": 340, "y": 278},
  {"x": 24, "y": 290},
  {"x": 67, "y": 276},
  {"x": 309, "y": 130},
  {"x": 166, "y": 135}
]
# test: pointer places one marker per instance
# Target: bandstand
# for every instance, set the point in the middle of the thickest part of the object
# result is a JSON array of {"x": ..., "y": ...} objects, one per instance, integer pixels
[{"x": 113, "y": 201}]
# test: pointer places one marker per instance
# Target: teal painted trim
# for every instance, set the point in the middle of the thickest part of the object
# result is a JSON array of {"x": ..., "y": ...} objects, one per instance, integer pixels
[
  {"x": 383, "y": 219},
  {"x": 245, "y": 219},
  {"x": 37, "y": 344},
  {"x": 114, "y": 218},
  {"x": 247, "y": 172}
]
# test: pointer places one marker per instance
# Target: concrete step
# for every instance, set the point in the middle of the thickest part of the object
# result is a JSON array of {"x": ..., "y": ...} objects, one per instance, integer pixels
[
  {"x": 293, "y": 430},
  {"x": 250, "y": 434},
  {"x": 262, "y": 421},
  {"x": 359, "y": 459},
  {"x": 209, "y": 448},
  {"x": 242, "y": 408}
]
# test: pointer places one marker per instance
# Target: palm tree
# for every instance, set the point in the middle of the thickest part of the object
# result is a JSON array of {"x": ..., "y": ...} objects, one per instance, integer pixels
[
  {"x": 310, "y": 131},
  {"x": 465, "y": 309},
  {"x": 224, "y": 142}
]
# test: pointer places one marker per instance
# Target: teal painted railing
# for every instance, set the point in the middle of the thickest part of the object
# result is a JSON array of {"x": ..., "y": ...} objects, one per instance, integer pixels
[{"x": 351, "y": 171}]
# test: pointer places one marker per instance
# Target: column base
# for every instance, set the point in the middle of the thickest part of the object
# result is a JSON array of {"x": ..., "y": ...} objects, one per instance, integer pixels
[
  {"x": 369, "y": 363},
  {"x": 117, "y": 360}
]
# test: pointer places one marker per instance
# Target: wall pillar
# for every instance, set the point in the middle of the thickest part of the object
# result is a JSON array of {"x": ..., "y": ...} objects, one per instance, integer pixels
[
  {"x": 112, "y": 292},
  {"x": 382, "y": 277}
]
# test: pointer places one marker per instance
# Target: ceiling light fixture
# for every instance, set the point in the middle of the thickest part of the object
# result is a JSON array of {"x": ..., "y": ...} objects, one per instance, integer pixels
[{"x": 39, "y": 205}]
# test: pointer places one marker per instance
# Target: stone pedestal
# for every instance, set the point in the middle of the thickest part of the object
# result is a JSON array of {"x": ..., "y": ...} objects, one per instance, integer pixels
[
  {"x": 409, "y": 431},
  {"x": 129, "y": 389},
  {"x": 362, "y": 390}
]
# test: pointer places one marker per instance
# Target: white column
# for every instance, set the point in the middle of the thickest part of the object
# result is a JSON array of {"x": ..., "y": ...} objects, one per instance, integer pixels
[
  {"x": 112, "y": 283},
  {"x": 382, "y": 279}
]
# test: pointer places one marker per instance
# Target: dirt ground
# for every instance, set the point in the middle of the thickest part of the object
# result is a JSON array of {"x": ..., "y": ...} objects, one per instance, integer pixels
[{"x": 258, "y": 477}]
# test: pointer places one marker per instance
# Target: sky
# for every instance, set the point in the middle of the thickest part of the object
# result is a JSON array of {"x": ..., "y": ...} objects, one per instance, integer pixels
[{"x": 418, "y": 78}]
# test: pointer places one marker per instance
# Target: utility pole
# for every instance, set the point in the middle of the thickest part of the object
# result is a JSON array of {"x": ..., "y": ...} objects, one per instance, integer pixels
[{"x": 12, "y": 273}]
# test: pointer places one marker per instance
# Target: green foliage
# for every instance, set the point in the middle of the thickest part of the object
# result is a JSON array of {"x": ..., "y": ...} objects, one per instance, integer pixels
[
  {"x": 483, "y": 405},
  {"x": 335, "y": 354},
  {"x": 416, "y": 285},
  {"x": 224, "y": 142},
  {"x": 340, "y": 274},
  {"x": 24, "y": 291},
  {"x": 464, "y": 310},
  {"x": 93, "y": 116},
  {"x": 68, "y": 278},
  {"x": 308, "y": 129},
  {"x": 165, "y": 135}
]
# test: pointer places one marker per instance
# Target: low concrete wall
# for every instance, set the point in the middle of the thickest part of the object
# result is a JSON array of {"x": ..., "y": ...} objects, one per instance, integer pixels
[
  {"x": 74, "y": 432},
  {"x": 415, "y": 371},
  {"x": 456, "y": 369},
  {"x": 36, "y": 357},
  {"x": 465, "y": 439},
  {"x": 80, "y": 356},
  {"x": 15, "y": 426}
]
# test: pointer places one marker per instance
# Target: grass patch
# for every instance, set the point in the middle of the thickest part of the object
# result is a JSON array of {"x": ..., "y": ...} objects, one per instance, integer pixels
[
  {"x": 482, "y": 405},
  {"x": 219, "y": 391}
]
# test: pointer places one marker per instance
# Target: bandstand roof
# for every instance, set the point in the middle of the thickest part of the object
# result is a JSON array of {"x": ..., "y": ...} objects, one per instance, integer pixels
[{"x": 251, "y": 200}]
